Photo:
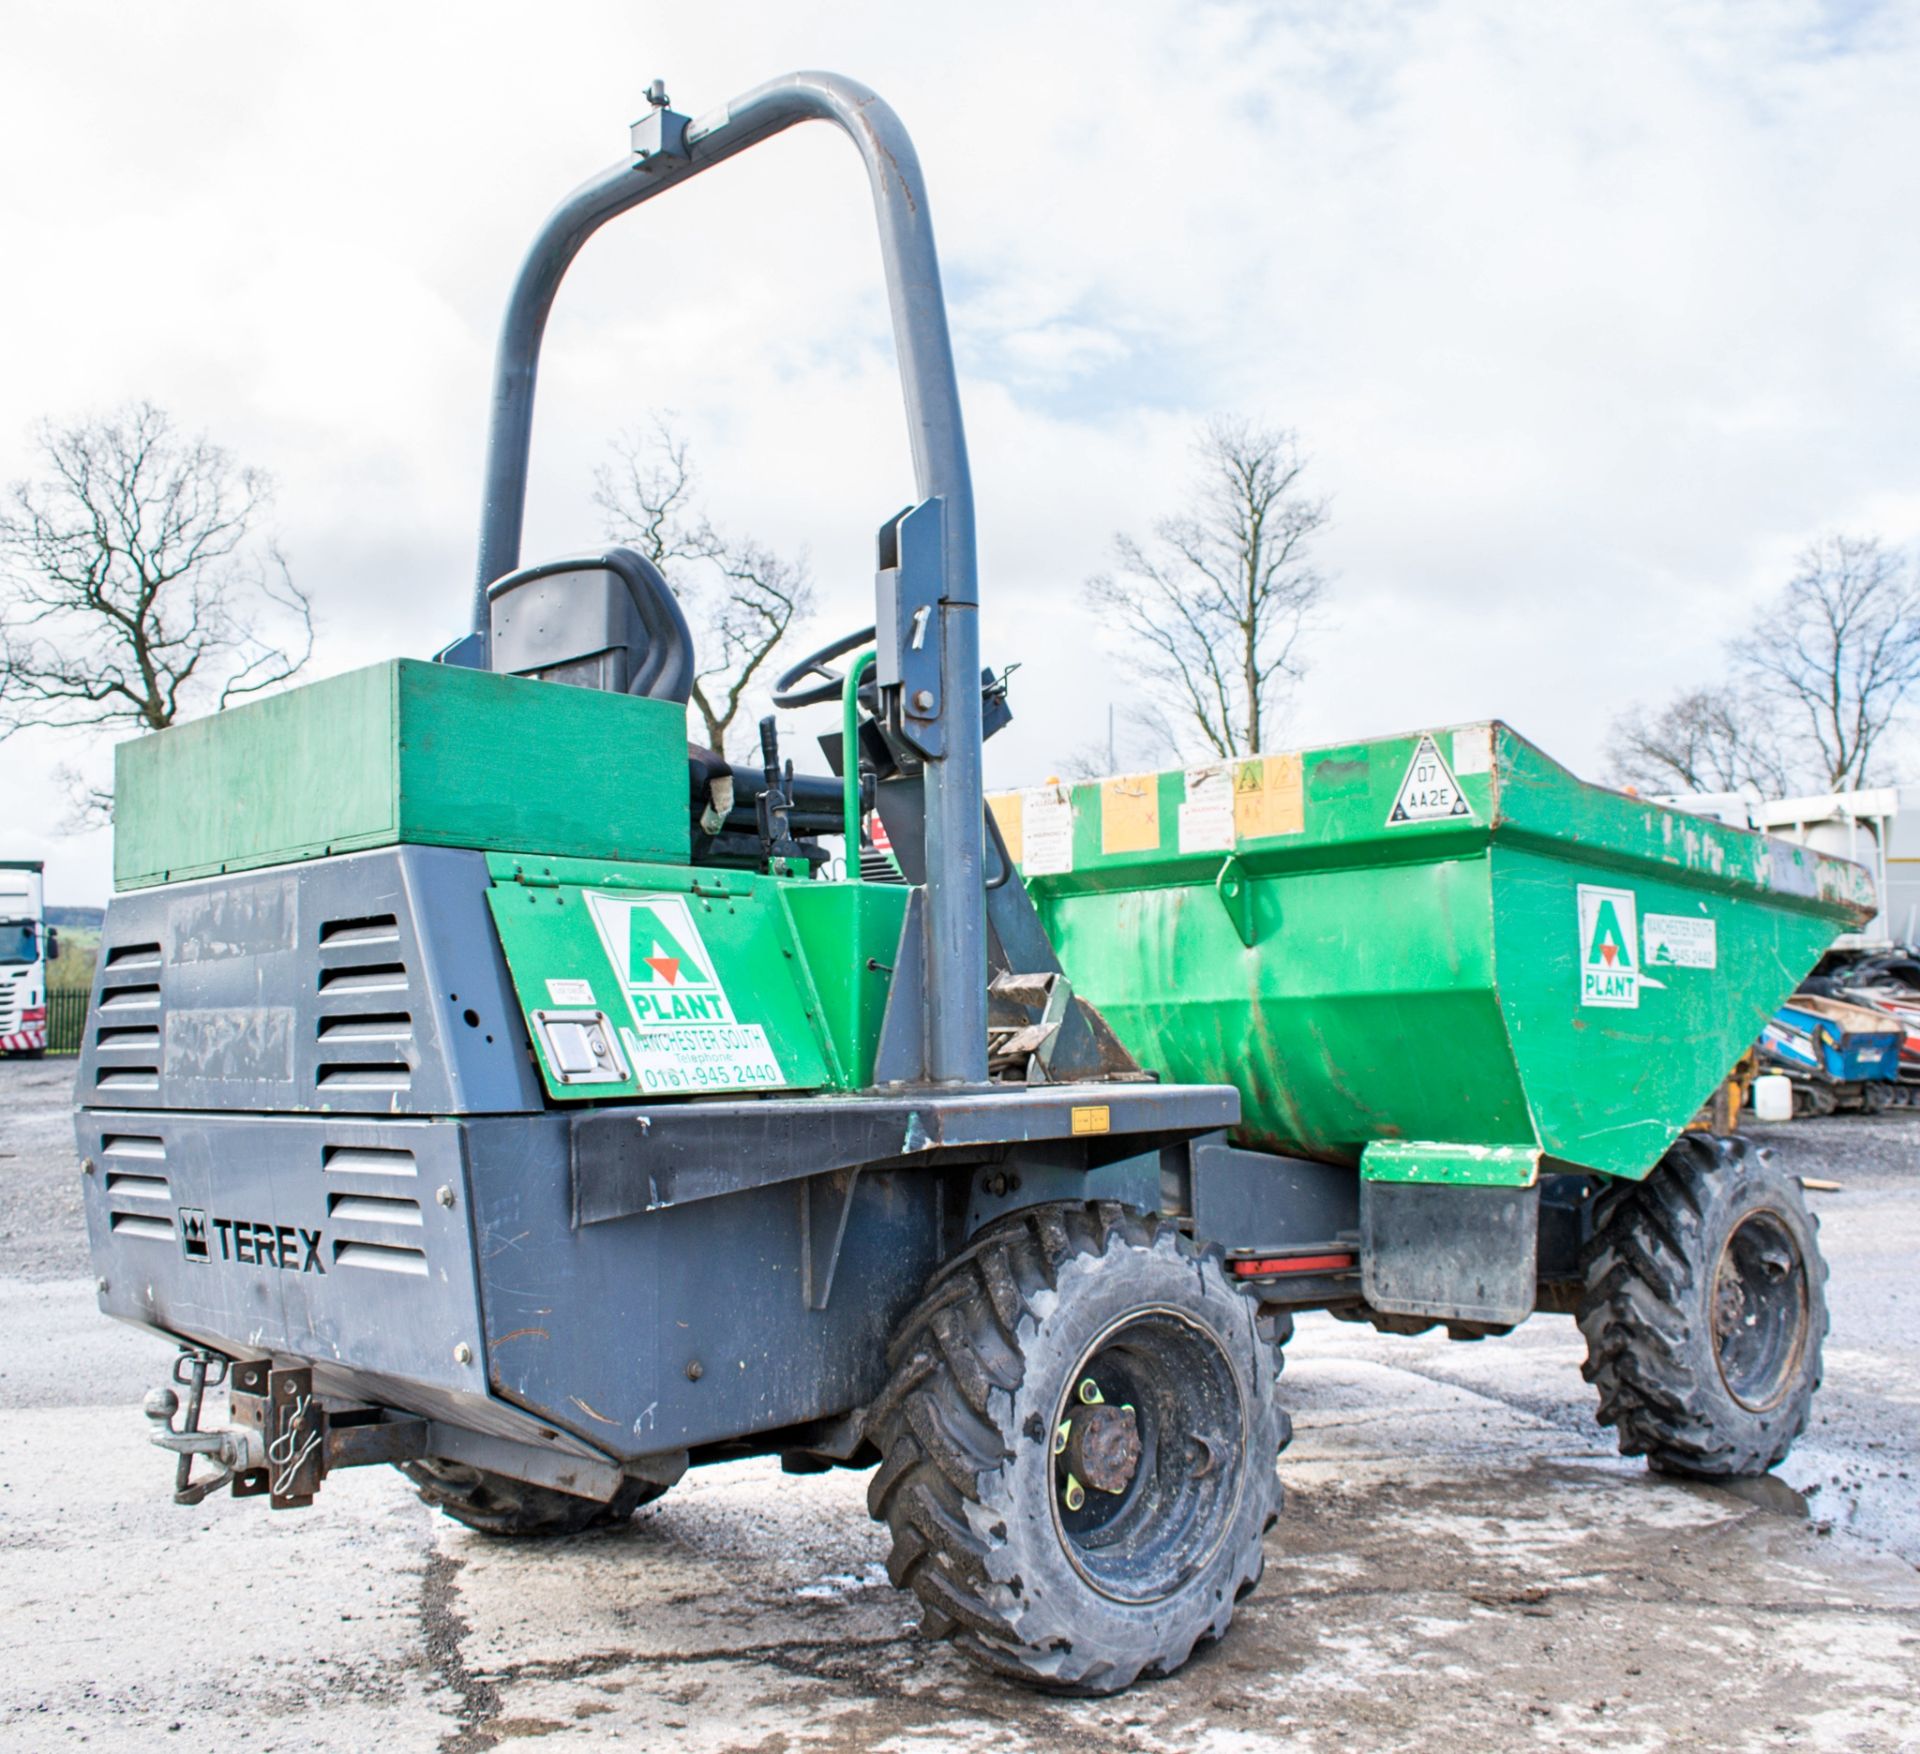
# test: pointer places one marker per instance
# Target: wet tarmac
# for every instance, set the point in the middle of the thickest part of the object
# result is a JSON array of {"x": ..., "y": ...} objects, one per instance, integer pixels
[{"x": 1465, "y": 1562}]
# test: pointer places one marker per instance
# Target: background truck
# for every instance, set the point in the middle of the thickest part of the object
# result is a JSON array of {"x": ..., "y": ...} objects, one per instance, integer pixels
[
  {"x": 27, "y": 945},
  {"x": 483, "y": 1080}
]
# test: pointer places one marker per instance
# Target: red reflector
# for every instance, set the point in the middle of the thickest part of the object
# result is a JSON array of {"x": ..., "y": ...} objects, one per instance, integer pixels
[{"x": 1293, "y": 1264}]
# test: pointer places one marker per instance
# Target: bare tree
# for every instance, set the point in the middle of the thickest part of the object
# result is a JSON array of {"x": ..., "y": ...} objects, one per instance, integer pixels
[
  {"x": 1840, "y": 652},
  {"x": 1714, "y": 739},
  {"x": 133, "y": 588},
  {"x": 743, "y": 597},
  {"x": 1216, "y": 605}
]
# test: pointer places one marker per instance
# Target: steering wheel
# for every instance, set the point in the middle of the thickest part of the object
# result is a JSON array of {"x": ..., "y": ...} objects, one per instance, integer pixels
[{"x": 786, "y": 692}]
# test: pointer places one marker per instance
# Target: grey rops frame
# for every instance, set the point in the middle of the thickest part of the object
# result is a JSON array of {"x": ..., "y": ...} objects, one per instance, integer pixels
[{"x": 668, "y": 148}]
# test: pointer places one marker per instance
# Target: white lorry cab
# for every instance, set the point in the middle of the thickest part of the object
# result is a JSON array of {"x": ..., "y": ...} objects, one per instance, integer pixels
[{"x": 27, "y": 944}]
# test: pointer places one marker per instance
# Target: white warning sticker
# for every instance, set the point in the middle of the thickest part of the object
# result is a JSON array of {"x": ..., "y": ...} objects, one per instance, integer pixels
[
  {"x": 1680, "y": 941},
  {"x": 1473, "y": 750},
  {"x": 1047, "y": 830},
  {"x": 570, "y": 992},
  {"x": 685, "y": 1035},
  {"x": 1206, "y": 818},
  {"x": 1429, "y": 793}
]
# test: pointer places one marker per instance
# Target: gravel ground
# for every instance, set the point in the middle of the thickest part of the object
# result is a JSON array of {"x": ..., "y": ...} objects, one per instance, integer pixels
[{"x": 1465, "y": 1564}]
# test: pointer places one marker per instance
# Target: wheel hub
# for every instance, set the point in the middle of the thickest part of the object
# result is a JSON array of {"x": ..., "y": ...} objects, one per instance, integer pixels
[
  {"x": 1103, "y": 1447},
  {"x": 1759, "y": 1306}
]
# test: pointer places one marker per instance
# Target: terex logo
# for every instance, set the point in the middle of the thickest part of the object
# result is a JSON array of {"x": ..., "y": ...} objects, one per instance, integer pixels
[
  {"x": 662, "y": 959},
  {"x": 290, "y": 1247}
]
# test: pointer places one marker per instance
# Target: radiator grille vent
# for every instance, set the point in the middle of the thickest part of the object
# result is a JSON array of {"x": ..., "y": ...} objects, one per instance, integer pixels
[
  {"x": 375, "y": 1217},
  {"x": 380, "y": 1257},
  {"x": 127, "y": 1020},
  {"x": 139, "y": 1195},
  {"x": 367, "y": 1160},
  {"x": 365, "y": 1029},
  {"x": 374, "y": 929}
]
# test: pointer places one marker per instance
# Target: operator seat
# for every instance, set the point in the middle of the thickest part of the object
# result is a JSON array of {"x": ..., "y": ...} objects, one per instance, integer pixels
[{"x": 606, "y": 620}]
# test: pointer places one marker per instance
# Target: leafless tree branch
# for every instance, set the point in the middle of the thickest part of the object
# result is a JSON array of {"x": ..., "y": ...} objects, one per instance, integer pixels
[
  {"x": 130, "y": 591},
  {"x": 1217, "y": 605},
  {"x": 742, "y": 598}
]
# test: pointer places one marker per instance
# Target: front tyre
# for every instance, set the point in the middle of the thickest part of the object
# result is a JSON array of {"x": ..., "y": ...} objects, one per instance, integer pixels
[
  {"x": 1704, "y": 1309},
  {"x": 1077, "y": 1442}
]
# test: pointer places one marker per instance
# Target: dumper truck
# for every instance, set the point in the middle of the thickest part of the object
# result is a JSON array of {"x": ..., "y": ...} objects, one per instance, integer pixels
[{"x": 485, "y": 1082}]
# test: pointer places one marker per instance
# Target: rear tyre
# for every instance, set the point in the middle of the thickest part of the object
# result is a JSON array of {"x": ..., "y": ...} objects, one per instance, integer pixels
[
  {"x": 496, "y": 1504},
  {"x": 1704, "y": 1310},
  {"x": 1077, "y": 1443}
]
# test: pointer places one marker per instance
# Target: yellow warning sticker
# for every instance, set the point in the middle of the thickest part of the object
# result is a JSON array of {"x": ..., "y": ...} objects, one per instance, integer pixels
[
  {"x": 1008, "y": 818},
  {"x": 1130, "y": 814},
  {"x": 1268, "y": 798},
  {"x": 1093, "y": 1118}
]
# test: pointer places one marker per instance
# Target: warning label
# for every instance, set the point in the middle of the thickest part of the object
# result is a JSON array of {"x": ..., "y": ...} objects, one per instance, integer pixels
[
  {"x": 1429, "y": 793},
  {"x": 1680, "y": 941},
  {"x": 1206, "y": 818},
  {"x": 685, "y": 1035},
  {"x": 1047, "y": 830}
]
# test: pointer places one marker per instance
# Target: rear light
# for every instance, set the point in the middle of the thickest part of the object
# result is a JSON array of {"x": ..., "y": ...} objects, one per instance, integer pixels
[
  {"x": 1344, "y": 1262},
  {"x": 32, "y": 1015}
]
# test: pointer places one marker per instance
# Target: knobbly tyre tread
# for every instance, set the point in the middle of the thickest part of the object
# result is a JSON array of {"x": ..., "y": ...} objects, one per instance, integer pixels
[
  {"x": 943, "y": 1485},
  {"x": 495, "y": 1504},
  {"x": 1645, "y": 1312}
]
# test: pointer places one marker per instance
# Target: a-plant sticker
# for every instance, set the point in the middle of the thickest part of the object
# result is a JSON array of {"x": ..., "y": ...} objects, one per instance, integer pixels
[
  {"x": 661, "y": 959},
  {"x": 1610, "y": 972},
  {"x": 1429, "y": 793},
  {"x": 684, "y": 1035}
]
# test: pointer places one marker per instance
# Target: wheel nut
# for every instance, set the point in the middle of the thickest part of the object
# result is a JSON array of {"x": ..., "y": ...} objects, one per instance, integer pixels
[{"x": 1076, "y": 1493}]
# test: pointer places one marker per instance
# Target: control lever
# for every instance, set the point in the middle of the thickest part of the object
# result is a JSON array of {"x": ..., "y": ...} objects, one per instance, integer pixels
[{"x": 774, "y": 804}]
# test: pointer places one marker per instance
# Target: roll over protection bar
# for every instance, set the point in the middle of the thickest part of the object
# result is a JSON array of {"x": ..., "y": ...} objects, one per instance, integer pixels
[{"x": 668, "y": 149}]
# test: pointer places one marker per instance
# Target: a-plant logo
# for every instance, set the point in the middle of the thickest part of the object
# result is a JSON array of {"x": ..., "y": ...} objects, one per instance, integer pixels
[
  {"x": 661, "y": 958},
  {"x": 1610, "y": 972}
]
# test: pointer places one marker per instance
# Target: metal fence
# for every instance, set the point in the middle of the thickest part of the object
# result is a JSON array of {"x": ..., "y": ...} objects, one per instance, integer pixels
[{"x": 66, "y": 1021}]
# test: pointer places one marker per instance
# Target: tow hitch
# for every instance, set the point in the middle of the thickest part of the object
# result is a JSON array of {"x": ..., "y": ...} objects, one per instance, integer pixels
[{"x": 283, "y": 1441}]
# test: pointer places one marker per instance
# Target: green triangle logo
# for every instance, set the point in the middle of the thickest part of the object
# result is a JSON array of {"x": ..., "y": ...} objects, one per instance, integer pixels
[
  {"x": 655, "y": 957},
  {"x": 1609, "y": 948}
]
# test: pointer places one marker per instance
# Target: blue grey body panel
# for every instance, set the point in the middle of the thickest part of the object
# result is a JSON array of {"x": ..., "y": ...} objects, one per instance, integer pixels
[{"x": 342, "y": 985}]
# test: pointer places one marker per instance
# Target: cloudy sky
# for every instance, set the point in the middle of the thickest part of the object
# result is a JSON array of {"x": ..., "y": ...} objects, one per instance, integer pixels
[{"x": 1589, "y": 315}]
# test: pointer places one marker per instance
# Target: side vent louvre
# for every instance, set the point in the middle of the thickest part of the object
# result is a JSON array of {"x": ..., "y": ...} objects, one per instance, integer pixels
[
  {"x": 374, "y": 1026},
  {"x": 374, "y": 929},
  {"x": 360, "y": 1160},
  {"x": 373, "y": 1209},
  {"x": 380, "y": 1257},
  {"x": 117, "y": 1000},
  {"x": 370, "y": 1075},
  {"x": 364, "y": 1029},
  {"x": 364, "y": 977},
  {"x": 139, "y": 1196},
  {"x": 127, "y": 957}
]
